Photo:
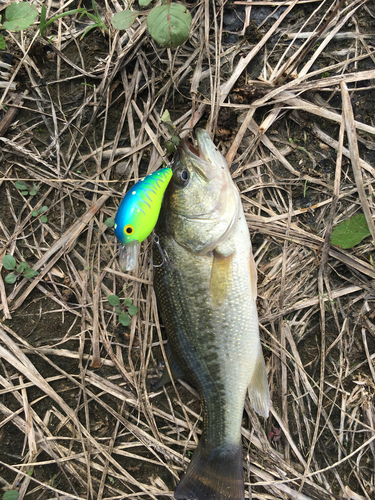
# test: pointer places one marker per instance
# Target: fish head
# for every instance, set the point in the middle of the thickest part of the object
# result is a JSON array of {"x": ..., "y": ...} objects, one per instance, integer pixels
[{"x": 202, "y": 203}]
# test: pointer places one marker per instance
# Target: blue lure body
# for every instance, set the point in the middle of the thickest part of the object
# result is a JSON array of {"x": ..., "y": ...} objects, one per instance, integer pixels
[{"x": 138, "y": 213}]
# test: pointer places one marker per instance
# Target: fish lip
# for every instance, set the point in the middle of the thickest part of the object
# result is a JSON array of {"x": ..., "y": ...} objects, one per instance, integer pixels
[
  {"x": 196, "y": 153},
  {"x": 189, "y": 148},
  {"x": 193, "y": 153}
]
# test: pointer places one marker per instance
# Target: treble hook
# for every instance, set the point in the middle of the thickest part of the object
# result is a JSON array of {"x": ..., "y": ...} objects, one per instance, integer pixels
[{"x": 163, "y": 253}]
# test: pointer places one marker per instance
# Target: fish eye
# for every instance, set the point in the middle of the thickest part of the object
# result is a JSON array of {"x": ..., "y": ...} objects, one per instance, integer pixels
[
  {"x": 129, "y": 230},
  {"x": 182, "y": 176}
]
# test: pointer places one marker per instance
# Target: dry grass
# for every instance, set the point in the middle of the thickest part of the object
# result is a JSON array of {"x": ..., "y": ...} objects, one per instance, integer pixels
[{"x": 70, "y": 432}]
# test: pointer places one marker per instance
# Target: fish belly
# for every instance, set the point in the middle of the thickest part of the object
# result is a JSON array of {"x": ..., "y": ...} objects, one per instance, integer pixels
[{"x": 218, "y": 347}]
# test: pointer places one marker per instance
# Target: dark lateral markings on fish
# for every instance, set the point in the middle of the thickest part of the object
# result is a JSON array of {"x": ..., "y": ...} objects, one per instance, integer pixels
[{"x": 206, "y": 292}]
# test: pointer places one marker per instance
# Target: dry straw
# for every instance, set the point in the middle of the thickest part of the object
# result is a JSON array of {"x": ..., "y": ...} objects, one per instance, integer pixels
[{"x": 297, "y": 95}]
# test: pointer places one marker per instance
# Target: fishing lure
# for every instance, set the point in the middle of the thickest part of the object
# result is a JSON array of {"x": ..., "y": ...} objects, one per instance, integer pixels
[{"x": 138, "y": 213}]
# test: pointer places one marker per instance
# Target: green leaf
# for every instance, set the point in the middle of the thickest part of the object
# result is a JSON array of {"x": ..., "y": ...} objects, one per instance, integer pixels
[
  {"x": 10, "y": 278},
  {"x": 44, "y": 219},
  {"x": 22, "y": 186},
  {"x": 9, "y": 262},
  {"x": 35, "y": 213},
  {"x": 350, "y": 232},
  {"x": 43, "y": 209},
  {"x": 124, "y": 319},
  {"x": 171, "y": 148},
  {"x": 25, "y": 193},
  {"x": 10, "y": 495},
  {"x": 128, "y": 302},
  {"x": 144, "y": 3},
  {"x": 113, "y": 300},
  {"x": 118, "y": 310},
  {"x": 92, "y": 27},
  {"x": 32, "y": 192},
  {"x": 132, "y": 310},
  {"x": 20, "y": 16},
  {"x": 43, "y": 24},
  {"x": 169, "y": 24},
  {"x": 166, "y": 117},
  {"x": 110, "y": 222},
  {"x": 42, "y": 20},
  {"x": 123, "y": 20},
  {"x": 3, "y": 45},
  {"x": 95, "y": 9},
  {"x": 22, "y": 266},
  {"x": 30, "y": 273}
]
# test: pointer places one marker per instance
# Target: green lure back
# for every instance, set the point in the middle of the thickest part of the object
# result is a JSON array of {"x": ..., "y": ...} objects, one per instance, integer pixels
[{"x": 138, "y": 213}]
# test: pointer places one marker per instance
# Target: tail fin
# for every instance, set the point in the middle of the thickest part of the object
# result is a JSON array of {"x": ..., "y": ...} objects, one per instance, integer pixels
[{"x": 213, "y": 475}]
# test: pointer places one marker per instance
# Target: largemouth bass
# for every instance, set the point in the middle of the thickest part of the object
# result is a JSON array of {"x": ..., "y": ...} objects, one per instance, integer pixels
[{"x": 206, "y": 291}]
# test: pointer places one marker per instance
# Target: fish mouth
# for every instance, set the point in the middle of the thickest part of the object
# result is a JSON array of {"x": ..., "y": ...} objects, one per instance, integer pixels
[{"x": 204, "y": 158}]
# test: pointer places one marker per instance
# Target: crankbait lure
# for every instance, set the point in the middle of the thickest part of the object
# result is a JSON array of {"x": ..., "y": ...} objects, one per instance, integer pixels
[{"x": 138, "y": 213}]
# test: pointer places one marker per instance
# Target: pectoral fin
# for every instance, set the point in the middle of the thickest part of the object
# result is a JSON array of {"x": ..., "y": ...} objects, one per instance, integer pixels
[
  {"x": 221, "y": 277},
  {"x": 259, "y": 393}
]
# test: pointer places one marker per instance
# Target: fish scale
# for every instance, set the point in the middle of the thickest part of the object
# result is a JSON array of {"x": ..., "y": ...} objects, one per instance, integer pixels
[
  {"x": 209, "y": 341},
  {"x": 206, "y": 292}
]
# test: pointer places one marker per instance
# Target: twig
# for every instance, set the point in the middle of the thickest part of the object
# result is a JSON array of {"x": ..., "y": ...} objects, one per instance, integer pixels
[{"x": 354, "y": 156}]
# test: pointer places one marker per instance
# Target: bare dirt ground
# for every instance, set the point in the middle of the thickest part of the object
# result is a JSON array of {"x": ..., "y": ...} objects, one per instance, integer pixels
[{"x": 287, "y": 89}]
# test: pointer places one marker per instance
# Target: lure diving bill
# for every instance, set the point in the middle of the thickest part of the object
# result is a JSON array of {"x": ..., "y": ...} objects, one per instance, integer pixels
[{"x": 138, "y": 213}]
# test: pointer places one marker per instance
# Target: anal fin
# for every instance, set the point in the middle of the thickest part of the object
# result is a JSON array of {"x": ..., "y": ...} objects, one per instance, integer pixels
[{"x": 258, "y": 389}]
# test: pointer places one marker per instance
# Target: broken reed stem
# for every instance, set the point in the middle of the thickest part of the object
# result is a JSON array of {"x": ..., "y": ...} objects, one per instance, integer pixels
[
  {"x": 348, "y": 117},
  {"x": 287, "y": 280}
]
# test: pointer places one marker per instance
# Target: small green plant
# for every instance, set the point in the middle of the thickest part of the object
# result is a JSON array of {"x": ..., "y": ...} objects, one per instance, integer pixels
[
  {"x": 168, "y": 24},
  {"x": 110, "y": 222},
  {"x": 174, "y": 141},
  {"x": 124, "y": 310},
  {"x": 97, "y": 20},
  {"x": 19, "y": 16},
  {"x": 350, "y": 232},
  {"x": 43, "y": 218},
  {"x": 95, "y": 17},
  {"x": 305, "y": 189},
  {"x": 43, "y": 23},
  {"x": 10, "y": 263},
  {"x": 10, "y": 495},
  {"x": 24, "y": 188}
]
